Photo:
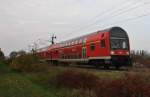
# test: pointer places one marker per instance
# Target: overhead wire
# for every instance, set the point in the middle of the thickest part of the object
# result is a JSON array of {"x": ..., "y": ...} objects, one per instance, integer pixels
[
  {"x": 109, "y": 13},
  {"x": 126, "y": 11},
  {"x": 103, "y": 13},
  {"x": 117, "y": 13},
  {"x": 128, "y": 19}
]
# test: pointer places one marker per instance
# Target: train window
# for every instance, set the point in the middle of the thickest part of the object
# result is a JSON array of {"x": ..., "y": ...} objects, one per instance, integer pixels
[
  {"x": 103, "y": 43},
  {"x": 92, "y": 46},
  {"x": 124, "y": 45}
]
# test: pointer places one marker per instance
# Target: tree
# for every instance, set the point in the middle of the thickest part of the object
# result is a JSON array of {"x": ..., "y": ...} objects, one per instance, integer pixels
[
  {"x": 13, "y": 54},
  {"x": 2, "y": 56},
  {"x": 21, "y": 52}
]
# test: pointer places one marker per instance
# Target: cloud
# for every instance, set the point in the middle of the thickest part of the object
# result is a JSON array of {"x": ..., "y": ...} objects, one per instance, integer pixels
[{"x": 60, "y": 23}]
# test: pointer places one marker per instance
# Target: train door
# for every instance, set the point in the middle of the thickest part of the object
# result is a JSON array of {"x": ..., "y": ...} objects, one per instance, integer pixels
[{"x": 84, "y": 52}]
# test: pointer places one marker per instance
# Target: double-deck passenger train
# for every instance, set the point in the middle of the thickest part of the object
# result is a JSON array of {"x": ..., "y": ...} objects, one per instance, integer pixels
[{"x": 109, "y": 47}]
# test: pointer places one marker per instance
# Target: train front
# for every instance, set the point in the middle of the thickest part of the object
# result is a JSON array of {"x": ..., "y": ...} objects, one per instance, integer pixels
[{"x": 119, "y": 47}]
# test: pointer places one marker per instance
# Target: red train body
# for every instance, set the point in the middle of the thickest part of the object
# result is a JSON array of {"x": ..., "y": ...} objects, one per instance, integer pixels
[{"x": 108, "y": 47}]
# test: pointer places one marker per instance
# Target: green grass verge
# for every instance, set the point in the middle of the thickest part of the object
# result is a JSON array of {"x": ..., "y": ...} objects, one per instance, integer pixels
[{"x": 16, "y": 85}]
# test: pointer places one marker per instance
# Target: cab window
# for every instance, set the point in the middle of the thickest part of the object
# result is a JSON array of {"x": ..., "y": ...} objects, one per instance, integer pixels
[{"x": 103, "y": 44}]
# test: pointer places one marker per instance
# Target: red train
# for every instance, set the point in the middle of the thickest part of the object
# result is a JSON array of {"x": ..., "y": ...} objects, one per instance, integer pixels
[{"x": 106, "y": 48}]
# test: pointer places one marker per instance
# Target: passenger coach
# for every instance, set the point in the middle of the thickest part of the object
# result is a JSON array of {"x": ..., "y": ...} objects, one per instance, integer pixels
[{"x": 106, "y": 48}]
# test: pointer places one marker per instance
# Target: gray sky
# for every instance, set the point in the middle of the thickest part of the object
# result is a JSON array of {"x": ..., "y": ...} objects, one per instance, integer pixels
[{"x": 23, "y": 22}]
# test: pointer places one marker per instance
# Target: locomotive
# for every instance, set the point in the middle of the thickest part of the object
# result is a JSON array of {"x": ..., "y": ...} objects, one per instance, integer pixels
[{"x": 109, "y": 47}]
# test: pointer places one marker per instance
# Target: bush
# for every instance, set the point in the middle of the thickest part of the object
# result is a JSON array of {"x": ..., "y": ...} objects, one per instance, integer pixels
[
  {"x": 28, "y": 63},
  {"x": 142, "y": 60},
  {"x": 74, "y": 93},
  {"x": 76, "y": 80},
  {"x": 130, "y": 85}
]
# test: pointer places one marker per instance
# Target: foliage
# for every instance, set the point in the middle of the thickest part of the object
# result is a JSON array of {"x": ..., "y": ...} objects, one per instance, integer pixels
[
  {"x": 13, "y": 54},
  {"x": 2, "y": 57},
  {"x": 82, "y": 83},
  {"x": 15, "y": 85},
  {"x": 141, "y": 58},
  {"x": 76, "y": 79},
  {"x": 130, "y": 85},
  {"x": 145, "y": 61},
  {"x": 46, "y": 79},
  {"x": 74, "y": 93},
  {"x": 4, "y": 69},
  {"x": 28, "y": 63},
  {"x": 21, "y": 53}
]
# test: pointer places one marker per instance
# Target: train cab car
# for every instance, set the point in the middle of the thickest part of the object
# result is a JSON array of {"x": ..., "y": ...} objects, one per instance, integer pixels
[
  {"x": 119, "y": 47},
  {"x": 109, "y": 47}
]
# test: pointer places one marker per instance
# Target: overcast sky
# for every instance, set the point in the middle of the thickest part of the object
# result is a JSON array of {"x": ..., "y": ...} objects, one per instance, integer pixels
[{"x": 23, "y": 22}]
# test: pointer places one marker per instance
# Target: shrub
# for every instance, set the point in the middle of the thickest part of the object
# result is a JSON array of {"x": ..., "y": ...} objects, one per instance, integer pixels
[
  {"x": 28, "y": 63},
  {"x": 76, "y": 79},
  {"x": 74, "y": 93},
  {"x": 130, "y": 85},
  {"x": 142, "y": 60}
]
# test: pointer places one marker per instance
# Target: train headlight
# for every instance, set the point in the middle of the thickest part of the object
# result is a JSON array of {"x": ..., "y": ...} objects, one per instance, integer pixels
[{"x": 112, "y": 52}]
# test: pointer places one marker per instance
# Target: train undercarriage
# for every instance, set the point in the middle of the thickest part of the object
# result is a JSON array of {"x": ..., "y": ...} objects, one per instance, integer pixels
[{"x": 114, "y": 61}]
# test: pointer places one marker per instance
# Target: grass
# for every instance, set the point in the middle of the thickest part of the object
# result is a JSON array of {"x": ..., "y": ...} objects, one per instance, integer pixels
[
  {"x": 4, "y": 68},
  {"x": 16, "y": 85},
  {"x": 110, "y": 74}
]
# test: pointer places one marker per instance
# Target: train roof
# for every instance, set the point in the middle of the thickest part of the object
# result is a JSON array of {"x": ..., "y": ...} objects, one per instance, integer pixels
[{"x": 114, "y": 32}]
